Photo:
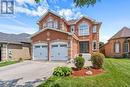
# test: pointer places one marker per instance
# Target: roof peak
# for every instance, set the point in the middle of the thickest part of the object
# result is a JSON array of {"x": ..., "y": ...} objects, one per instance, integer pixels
[
  {"x": 74, "y": 20},
  {"x": 124, "y": 32}
]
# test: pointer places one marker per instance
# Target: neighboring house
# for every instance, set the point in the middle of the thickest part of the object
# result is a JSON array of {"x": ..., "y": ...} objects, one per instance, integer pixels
[
  {"x": 59, "y": 39},
  {"x": 119, "y": 44},
  {"x": 14, "y": 46}
]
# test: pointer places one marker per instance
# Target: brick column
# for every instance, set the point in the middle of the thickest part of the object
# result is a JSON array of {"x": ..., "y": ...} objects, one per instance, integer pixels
[
  {"x": 49, "y": 50},
  {"x": 70, "y": 49},
  {"x": 90, "y": 41}
]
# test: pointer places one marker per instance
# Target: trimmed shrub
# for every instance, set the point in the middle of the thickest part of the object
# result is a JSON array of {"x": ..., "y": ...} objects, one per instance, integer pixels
[
  {"x": 62, "y": 71},
  {"x": 97, "y": 60},
  {"x": 79, "y": 62}
]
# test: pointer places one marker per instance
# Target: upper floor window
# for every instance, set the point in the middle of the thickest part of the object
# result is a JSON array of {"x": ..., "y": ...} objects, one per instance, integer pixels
[
  {"x": 50, "y": 23},
  {"x": 72, "y": 29},
  {"x": 117, "y": 47},
  {"x": 83, "y": 29},
  {"x": 126, "y": 47},
  {"x": 94, "y": 29},
  {"x": 55, "y": 24}
]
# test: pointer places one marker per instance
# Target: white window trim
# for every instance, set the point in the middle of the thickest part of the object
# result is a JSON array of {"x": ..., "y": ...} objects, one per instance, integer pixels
[
  {"x": 87, "y": 30},
  {"x": 116, "y": 48},
  {"x": 127, "y": 48},
  {"x": 72, "y": 27}
]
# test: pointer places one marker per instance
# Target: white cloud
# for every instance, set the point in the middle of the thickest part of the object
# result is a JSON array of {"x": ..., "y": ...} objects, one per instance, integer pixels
[
  {"x": 16, "y": 29},
  {"x": 38, "y": 12},
  {"x": 21, "y": 2},
  {"x": 29, "y": 7},
  {"x": 70, "y": 13}
]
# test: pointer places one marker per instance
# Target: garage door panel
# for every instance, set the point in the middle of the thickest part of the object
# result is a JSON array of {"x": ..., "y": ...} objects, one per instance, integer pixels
[
  {"x": 59, "y": 51},
  {"x": 40, "y": 52}
]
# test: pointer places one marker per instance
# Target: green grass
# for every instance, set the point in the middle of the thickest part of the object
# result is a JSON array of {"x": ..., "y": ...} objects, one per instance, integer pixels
[
  {"x": 117, "y": 75},
  {"x": 7, "y": 63}
]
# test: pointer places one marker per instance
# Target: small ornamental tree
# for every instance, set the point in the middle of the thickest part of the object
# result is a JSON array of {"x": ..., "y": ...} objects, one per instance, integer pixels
[
  {"x": 97, "y": 60},
  {"x": 79, "y": 62}
]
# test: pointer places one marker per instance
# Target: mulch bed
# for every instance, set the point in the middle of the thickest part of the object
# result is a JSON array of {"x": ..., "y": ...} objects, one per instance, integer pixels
[{"x": 83, "y": 71}]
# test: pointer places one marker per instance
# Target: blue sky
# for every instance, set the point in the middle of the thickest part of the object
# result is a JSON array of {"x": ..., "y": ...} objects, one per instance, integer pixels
[{"x": 114, "y": 14}]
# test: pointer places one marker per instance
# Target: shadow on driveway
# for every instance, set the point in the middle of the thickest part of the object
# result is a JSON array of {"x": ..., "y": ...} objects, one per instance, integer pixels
[{"x": 13, "y": 83}]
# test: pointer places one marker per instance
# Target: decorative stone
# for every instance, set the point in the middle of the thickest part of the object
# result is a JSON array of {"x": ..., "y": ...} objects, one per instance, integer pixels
[{"x": 89, "y": 72}]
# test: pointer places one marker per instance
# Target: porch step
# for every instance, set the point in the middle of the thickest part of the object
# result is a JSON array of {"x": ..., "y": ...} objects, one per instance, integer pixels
[{"x": 87, "y": 56}]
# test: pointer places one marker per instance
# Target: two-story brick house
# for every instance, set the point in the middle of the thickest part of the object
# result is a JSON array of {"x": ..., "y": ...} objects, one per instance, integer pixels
[{"x": 59, "y": 39}]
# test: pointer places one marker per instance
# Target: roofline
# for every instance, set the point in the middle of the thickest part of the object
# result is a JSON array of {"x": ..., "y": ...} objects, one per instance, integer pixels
[
  {"x": 92, "y": 20},
  {"x": 42, "y": 17},
  {"x": 6, "y": 42},
  {"x": 50, "y": 29},
  {"x": 47, "y": 13}
]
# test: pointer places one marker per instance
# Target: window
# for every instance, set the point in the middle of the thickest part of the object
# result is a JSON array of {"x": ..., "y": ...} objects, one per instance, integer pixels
[
  {"x": 50, "y": 23},
  {"x": 94, "y": 29},
  {"x": 94, "y": 45},
  {"x": 83, "y": 29},
  {"x": 72, "y": 29},
  {"x": 45, "y": 46},
  {"x": 63, "y": 45},
  {"x": 56, "y": 24},
  {"x": 84, "y": 47},
  {"x": 37, "y": 46},
  {"x": 126, "y": 47},
  {"x": 117, "y": 47},
  {"x": 54, "y": 46}
]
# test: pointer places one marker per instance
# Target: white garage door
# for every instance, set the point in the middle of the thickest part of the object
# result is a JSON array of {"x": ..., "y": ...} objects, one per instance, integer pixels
[
  {"x": 59, "y": 51},
  {"x": 40, "y": 51}
]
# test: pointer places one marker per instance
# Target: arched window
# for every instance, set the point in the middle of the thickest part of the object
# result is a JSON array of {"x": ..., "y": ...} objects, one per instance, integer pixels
[
  {"x": 83, "y": 29},
  {"x": 117, "y": 47}
]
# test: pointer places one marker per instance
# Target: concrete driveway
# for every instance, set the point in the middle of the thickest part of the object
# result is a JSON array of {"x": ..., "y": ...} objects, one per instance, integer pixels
[{"x": 27, "y": 73}]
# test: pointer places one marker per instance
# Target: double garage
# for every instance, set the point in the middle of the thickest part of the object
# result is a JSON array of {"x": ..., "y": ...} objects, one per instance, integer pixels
[{"x": 56, "y": 51}]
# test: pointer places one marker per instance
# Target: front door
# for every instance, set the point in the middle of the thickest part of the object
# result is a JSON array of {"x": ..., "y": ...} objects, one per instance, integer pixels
[{"x": 84, "y": 46}]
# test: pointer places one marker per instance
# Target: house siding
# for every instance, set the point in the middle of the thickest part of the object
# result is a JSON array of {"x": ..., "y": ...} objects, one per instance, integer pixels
[
  {"x": 109, "y": 48},
  {"x": 17, "y": 51}
]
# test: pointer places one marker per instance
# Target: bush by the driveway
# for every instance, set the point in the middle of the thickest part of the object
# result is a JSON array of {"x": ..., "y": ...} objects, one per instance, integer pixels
[{"x": 62, "y": 71}]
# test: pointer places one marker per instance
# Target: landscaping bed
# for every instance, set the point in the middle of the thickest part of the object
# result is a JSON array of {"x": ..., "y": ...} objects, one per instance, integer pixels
[{"x": 86, "y": 72}]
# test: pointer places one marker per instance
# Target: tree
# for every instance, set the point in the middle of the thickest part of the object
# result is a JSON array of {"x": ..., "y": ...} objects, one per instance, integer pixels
[
  {"x": 101, "y": 44},
  {"x": 79, "y": 3}
]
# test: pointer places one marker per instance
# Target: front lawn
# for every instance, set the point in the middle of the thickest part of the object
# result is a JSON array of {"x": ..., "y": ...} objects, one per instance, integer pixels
[
  {"x": 7, "y": 63},
  {"x": 117, "y": 75}
]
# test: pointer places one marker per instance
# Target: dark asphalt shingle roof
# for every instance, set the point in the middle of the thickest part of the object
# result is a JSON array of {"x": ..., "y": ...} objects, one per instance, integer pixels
[
  {"x": 124, "y": 32},
  {"x": 14, "y": 38}
]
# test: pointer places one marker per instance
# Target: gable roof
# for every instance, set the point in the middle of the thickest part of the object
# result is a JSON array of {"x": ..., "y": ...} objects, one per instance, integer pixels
[
  {"x": 14, "y": 38},
  {"x": 70, "y": 22},
  {"x": 48, "y": 11},
  {"x": 124, "y": 32}
]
